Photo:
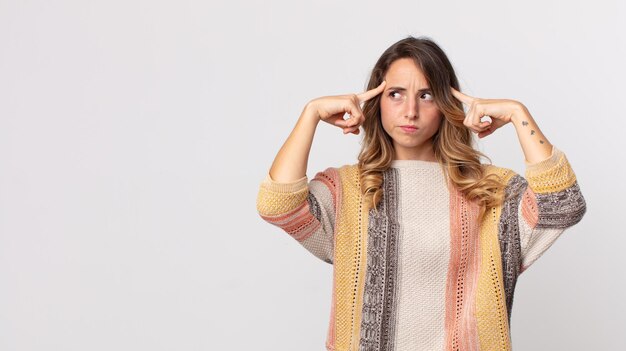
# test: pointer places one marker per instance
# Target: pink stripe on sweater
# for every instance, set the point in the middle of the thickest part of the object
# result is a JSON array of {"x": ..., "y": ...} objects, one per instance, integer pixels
[
  {"x": 460, "y": 324},
  {"x": 530, "y": 211},
  {"x": 330, "y": 177}
]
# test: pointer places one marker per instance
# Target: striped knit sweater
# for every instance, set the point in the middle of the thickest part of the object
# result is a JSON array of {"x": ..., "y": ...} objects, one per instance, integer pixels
[{"x": 422, "y": 273}]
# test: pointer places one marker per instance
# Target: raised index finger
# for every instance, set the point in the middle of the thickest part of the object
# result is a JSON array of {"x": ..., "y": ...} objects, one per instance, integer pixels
[
  {"x": 371, "y": 93},
  {"x": 466, "y": 99}
]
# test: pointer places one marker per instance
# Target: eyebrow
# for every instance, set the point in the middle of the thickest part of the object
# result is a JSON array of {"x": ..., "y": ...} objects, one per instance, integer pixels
[{"x": 404, "y": 89}]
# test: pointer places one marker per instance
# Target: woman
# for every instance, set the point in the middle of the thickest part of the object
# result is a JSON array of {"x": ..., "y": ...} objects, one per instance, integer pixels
[{"x": 426, "y": 241}]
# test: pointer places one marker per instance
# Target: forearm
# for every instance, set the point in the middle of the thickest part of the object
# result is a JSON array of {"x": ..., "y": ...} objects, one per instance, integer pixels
[
  {"x": 535, "y": 145},
  {"x": 291, "y": 161}
]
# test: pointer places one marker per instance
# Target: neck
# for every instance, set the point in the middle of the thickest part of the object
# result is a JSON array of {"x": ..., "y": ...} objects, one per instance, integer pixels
[{"x": 425, "y": 153}]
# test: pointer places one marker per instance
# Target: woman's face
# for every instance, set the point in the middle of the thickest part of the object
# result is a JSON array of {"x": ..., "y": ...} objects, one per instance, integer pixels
[{"x": 408, "y": 101}]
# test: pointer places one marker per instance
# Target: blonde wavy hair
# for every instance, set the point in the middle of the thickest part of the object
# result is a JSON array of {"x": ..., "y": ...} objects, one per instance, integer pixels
[{"x": 453, "y": 143}]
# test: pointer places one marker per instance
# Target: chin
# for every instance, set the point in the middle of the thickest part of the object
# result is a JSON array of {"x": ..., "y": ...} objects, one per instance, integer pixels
[
  {"x": 405, "y": 142},
  {"x": 409, "y": 145},
  {"x": 408, "y": 141}
]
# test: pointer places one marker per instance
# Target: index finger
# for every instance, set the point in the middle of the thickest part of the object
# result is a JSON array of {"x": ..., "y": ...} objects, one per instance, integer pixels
[
  {"x": 466, "y": 99},
  {"x": 371, "y": 93}
]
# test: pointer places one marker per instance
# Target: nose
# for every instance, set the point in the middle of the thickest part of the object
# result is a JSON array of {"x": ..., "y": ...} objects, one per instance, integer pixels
[{"x": 411, "y": 108}]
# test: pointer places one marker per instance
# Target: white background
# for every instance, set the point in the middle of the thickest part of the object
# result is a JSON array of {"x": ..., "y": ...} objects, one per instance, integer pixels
[{"x": 134, "y": 135}]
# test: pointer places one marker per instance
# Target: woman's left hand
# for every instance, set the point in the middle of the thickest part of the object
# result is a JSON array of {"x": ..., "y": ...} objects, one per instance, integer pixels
[{"x": 501, "y": 111}]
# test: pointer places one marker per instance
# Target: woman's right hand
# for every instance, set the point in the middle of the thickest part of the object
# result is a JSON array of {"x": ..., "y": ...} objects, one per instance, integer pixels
[{"x": 331, "y": 109}]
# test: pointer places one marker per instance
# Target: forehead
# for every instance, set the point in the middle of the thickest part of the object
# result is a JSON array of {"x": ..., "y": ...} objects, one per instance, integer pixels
[{"x": 404, "y": 71}]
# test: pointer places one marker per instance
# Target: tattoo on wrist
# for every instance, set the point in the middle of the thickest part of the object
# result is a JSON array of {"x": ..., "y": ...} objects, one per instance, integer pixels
[
  {"x": 532, "y": 132},
  {"x": 541, "y": 141},
  {"x": 524, "y": 123}
]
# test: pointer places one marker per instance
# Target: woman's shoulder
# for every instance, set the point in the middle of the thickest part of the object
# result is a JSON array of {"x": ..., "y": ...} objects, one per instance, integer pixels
[
  {"x": 491, "y": 168},
  {"x": 343, "y": 168},
  {"x": 505, "y": 174},
  {"x": 339, "y": 174}
]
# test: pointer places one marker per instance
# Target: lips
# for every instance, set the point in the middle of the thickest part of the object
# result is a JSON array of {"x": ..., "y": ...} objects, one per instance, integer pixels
[{"x": 408, "y": 128}]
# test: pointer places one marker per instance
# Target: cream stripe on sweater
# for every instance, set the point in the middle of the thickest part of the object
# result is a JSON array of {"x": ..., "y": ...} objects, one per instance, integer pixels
[{"x": 424, "y": 254}]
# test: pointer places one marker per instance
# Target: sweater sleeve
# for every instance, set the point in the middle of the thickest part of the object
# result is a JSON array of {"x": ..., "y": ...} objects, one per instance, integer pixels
[
  {"x": 306, "y": 210},
  {"x": 550, "y": 203}
]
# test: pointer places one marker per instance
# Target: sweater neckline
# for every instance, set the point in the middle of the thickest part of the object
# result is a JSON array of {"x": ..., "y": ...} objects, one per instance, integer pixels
[{"x": 414, "y": 164}]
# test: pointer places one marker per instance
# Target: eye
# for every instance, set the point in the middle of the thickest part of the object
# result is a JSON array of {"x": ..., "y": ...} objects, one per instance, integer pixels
[
  {"x": 430, "y": 96},
  {"x": 391, "y": 94}
]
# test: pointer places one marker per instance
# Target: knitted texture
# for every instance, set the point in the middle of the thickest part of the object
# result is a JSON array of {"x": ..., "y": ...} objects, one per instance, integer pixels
[{"x": 422, "y": 273}]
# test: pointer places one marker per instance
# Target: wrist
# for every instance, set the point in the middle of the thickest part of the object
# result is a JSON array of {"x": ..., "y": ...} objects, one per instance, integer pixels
[
  {"x": 520, "y": 113},
  {"x": 310, "y": 113}
]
